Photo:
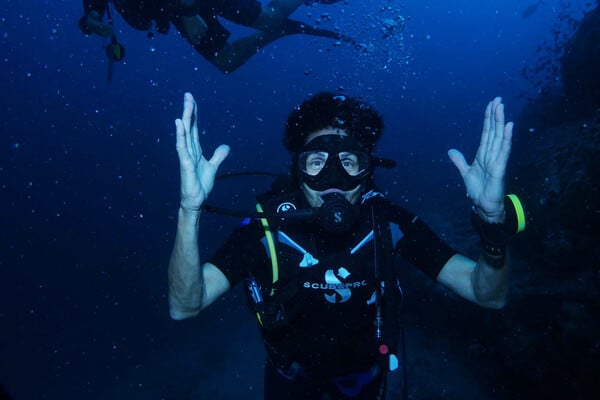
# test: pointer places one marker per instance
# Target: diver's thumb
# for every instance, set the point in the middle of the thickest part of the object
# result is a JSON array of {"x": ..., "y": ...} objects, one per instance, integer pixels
[
  {"x": 220, "y": 155},
  {"x": 459, "y": 161}
]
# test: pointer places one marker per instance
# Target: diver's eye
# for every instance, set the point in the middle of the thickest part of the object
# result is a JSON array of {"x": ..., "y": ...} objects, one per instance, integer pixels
[
  {"x": 350, "y": 163},
  {"x": 315, "y": 162}
]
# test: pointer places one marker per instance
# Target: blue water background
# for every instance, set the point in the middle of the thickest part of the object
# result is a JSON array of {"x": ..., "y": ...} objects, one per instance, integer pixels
[{"x": 89, "y": 173}]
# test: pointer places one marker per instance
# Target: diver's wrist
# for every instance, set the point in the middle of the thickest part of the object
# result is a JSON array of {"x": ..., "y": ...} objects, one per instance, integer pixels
[
  {"x": 494, "y": 256},
  {"x": 189, "y": 211},
  {"x": 496, "y": 217}
]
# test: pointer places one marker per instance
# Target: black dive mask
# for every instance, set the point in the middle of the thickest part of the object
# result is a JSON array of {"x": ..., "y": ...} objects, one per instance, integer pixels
[{"x": 333, "y": 162}]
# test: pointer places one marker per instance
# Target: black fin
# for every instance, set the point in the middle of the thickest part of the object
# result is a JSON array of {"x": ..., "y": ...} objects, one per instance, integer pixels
[{"x": 294, "y": 27}]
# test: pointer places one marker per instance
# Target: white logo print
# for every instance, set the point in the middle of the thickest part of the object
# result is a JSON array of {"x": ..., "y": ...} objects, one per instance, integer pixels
[
  {"x": 286, "y": 206},
  {"x": 341, "y": 293},
  {"x": 369, "y": 194},
  {"x": 337, "y": 288}
]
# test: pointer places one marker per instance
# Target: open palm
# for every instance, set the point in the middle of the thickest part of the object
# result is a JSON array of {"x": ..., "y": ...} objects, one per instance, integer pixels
[
  {"x": 484, "y": 178},
  {"x": 197, "y": 173}
]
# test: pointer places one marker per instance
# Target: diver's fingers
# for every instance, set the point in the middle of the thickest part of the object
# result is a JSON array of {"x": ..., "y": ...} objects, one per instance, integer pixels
[
  {"x": 186, "y": 118},
  {"x": 188, "y": 109},
  {"x": 505, "y": 147},
  {"x": 180, "y": 144},
  {"x": 459, "y": 161},
  {"x": 497, "y": 128},
  {"x": 485, "y": 133},
  {"x": 194, "y": 139}
]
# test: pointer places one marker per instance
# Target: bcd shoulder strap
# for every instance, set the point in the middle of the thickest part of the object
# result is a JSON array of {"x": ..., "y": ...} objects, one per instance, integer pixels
[{"x": 386, "y": 236}]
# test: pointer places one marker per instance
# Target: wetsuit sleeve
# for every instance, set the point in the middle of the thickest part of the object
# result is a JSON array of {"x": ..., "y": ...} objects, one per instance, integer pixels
[
  {"x": 419, "y": 244},
  {"x": 242, "y": 253}
]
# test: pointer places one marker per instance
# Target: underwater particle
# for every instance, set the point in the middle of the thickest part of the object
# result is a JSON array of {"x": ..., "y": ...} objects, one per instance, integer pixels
[
  {"x": 531, "y": 130},
  {"x": 428, "y": 36},
  {"x": 15, "y": 146},
  {"x": 389, "y": 25}
]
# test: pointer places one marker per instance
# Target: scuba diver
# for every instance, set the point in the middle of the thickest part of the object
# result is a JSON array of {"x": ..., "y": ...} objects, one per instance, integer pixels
[
  {"x": 197, "y": 21},
  {"x": 317, "y": 258}
]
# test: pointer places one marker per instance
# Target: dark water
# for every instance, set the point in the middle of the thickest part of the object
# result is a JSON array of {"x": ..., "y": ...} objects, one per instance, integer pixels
[{"x": 89, "y": 179}]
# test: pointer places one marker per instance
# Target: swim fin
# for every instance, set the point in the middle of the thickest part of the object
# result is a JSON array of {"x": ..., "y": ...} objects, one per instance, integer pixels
[{"x": 294, "y": 27}]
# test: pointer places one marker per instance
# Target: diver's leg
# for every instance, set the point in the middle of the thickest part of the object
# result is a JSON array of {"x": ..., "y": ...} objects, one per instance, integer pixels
[
  {"x": 275, "y": 13},
  {"x": 193, "y": 28},
  {"x": 234, "y": 55}
]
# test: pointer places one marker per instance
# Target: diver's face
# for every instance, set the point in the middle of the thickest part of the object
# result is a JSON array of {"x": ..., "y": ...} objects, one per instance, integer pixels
[{"x": 315, "y": 162}]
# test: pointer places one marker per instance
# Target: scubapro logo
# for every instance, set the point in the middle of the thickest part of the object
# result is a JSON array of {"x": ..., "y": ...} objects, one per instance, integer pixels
[
  {"x": 338, "y": 289},
  {"x": 286, "y": 206},
  {"x": 337, "y": 217},
  {"x": 370, "y": 194}
]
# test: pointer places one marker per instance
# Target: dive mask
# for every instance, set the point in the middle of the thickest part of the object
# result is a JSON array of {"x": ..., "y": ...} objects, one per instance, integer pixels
[{"x": 333, "y": 162}]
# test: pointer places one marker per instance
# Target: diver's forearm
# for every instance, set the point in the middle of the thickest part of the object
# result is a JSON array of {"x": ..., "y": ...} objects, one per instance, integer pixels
[
  {"x": 490, "y": 280},
  {"x": 186, "y": 285}
]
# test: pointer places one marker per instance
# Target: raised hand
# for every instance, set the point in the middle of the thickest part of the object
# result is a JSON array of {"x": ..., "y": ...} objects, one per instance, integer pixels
[
  {"x": 197, "y": 173},
  {"x": 484, "y": 179}
]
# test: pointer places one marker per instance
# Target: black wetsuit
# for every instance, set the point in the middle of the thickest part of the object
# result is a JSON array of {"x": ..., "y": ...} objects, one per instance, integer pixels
[
  {"x": 141, "y": 14},
  {"x": 329, "y": 304},
  {"x": 138, "y": 14},
  {"x": 243, "y": 12}
]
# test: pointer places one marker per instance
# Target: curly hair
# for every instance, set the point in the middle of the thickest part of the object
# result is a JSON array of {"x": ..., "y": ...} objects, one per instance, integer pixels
[{"x": 328, "y": 110}]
